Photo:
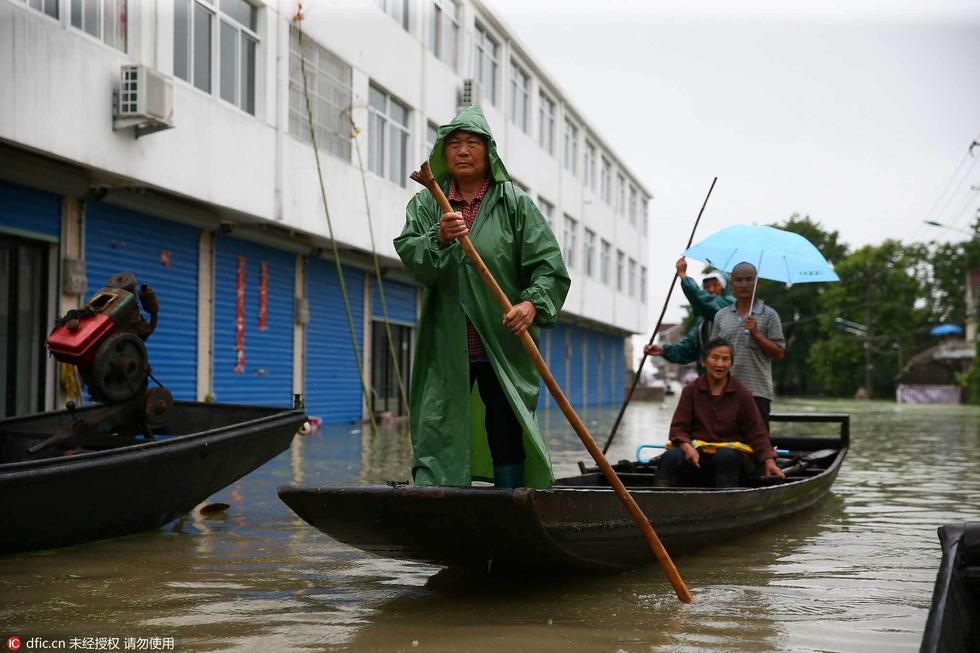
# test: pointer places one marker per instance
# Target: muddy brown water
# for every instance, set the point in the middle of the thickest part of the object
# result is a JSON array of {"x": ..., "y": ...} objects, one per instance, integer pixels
[{"x": 853, "y": 574}]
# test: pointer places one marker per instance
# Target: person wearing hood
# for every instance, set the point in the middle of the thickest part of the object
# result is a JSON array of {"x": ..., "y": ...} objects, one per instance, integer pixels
[
  {"x": 705, "y": 301},
  {"x": 474, "y": 389}
]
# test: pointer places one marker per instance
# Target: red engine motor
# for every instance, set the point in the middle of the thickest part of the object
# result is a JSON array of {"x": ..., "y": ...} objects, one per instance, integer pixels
[{"x": 104, "y": 339}]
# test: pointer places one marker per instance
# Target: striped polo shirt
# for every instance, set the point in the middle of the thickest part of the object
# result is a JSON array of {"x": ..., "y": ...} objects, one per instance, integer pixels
[{"x": 752, "y": 367}]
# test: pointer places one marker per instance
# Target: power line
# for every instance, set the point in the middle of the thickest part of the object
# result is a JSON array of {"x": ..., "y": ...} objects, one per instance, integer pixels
[{"x": 934, "y": 210}]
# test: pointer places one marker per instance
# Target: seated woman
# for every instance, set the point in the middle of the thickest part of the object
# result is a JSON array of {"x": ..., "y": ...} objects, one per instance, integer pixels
[{"x": 716, "y": 408}]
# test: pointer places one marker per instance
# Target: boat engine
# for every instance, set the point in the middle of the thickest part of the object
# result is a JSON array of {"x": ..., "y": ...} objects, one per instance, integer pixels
[{"x": 105, "y": 339}]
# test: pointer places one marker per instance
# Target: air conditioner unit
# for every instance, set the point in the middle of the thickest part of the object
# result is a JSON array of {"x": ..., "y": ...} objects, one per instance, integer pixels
[
  {"x": 468, "y": 94},
  {"x": 144, "y": 100}
]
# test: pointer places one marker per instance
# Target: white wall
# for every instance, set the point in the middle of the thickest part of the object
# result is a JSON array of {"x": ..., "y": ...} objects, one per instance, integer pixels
[{"x": 56, "y": 98}]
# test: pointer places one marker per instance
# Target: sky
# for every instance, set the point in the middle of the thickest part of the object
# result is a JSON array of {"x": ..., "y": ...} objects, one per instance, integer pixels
[{"x": 858, "y": 114}]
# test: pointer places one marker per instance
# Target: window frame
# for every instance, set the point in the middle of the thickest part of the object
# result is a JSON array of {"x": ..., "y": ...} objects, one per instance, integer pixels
[
  {"x": 439, "y": 19},
  {"x": 605, "y": 261},
  {"x": 569, "y": 238},
  {"x": 386, "y": 7},
  {"x": 327, "y": 138},
  {"x": 547, "y": 209},
  {"x": 620, "y": 270},
  {"x": 605, "y": 180},
  {"x": 570, "y": 154},
  {"x": 547, "y": 110},
  {"x": 481, "y": 39},
  {"x": 631, "y": 277},
  {"x": 589, "y": 165},
  {"x": 620, "y": 193},
  {"x": 100, "y": 22},
  {"x": 388, "y": 122},
  {"x": 516, "y": 90},
  {"x": 45, "y": 3},
  {"x": 643, "y": 284},
  {"x": 218, "y": 17},
  {"x": 588, "y": 249}
]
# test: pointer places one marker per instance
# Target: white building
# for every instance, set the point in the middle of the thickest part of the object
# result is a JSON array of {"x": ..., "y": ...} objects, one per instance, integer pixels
[{"x": 228, "y": 199}]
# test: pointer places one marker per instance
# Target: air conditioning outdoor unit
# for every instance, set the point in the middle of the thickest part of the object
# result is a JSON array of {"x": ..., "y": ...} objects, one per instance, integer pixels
[
  {"x": 468, "y": 94},
  {"x": 144, "y": 100}
]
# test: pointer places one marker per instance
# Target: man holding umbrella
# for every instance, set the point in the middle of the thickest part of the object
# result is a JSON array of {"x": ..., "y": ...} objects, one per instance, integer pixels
[{"x": 756, "y": 334}]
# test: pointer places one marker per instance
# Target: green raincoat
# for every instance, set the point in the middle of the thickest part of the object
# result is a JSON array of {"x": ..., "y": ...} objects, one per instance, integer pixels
[{"x": 447, "y": 417}]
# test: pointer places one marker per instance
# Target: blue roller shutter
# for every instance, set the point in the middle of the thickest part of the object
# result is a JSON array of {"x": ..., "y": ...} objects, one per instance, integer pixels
[
  {"x": 268, "y": 375},
  {"x": 617, "y": 366},
  {"x": 333, "y": 385},
  {"x": 544, "y": 343},
  {"x": 576, "y": 367},
  {"x": 28, "y": 212},
  {"x": 399, "y": 299},
  {"x": 594, "y": 362},
  {"x": 164, "y": 255}
]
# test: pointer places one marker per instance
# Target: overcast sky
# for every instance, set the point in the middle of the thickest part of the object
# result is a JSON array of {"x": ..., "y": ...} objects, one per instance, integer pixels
[{"x": 855, "y": 113}]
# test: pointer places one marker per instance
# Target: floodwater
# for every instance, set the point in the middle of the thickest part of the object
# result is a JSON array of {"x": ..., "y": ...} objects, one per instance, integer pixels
[{"x": 852, "y": 574}]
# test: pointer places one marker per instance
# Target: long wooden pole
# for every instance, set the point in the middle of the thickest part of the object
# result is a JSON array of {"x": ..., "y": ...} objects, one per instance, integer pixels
[
  {"x": 656, "y": 330},
  {"x": 424, "y": 177}
]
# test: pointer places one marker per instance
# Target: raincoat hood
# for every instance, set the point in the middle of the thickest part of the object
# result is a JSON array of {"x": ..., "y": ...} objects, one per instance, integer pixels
[{"x": 470, "y": 119}]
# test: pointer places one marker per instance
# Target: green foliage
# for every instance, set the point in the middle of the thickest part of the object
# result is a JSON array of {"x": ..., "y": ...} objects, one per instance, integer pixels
[
  {"x": 971, "y": 380},
  {"x": 799, "y": 308},
  {"x": 882, "y": 288}
]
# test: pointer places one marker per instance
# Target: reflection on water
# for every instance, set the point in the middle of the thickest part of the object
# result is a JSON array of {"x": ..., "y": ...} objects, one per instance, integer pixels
[{"x": 853, "y": 574}]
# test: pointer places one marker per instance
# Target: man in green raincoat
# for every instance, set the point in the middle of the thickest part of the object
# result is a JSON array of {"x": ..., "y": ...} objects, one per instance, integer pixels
[{"x": 474, "y": 388}]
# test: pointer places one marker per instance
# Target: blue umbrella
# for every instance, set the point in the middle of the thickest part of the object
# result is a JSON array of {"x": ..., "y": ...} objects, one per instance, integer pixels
[
  {"x": 945, "y": 330},
  {"x": 777, "y": 255}
]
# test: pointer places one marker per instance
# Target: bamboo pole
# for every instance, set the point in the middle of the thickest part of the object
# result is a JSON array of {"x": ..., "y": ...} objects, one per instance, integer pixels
[
  {"x": 656, "y": 329},
  {"x": 424, "y": 177}
]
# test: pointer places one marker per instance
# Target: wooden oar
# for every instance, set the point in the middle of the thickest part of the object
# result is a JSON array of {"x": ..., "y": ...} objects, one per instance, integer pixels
[
  {"x": 424, "y": 177},
  {"x": 656, "y": 329}
]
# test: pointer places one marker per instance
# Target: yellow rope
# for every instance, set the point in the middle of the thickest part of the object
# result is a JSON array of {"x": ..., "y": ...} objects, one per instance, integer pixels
[{"x": 298, "y": 19}]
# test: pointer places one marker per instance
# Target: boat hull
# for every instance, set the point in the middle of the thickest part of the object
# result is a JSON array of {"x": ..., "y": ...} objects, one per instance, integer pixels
[
  {"x": 953, "y": 625},
  {"x": 68, "y": 499},
  {"x": 573, "y": 525}
]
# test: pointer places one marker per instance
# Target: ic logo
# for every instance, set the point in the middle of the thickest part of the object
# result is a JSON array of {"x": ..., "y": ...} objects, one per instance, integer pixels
[{"x": 13, "y": 643}]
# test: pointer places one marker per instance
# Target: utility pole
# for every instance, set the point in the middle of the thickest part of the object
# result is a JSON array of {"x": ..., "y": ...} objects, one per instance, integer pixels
[{"x": 868, "y": 280}]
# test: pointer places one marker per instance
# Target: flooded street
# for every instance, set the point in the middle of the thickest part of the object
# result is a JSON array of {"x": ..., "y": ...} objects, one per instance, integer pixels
[{"x": 853, "y": 574}]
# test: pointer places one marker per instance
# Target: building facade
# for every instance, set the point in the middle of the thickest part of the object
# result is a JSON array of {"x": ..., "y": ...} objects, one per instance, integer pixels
[{"x": 222, "y": 212}]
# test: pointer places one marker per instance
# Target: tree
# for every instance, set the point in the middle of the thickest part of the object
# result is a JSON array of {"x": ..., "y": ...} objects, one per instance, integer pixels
[
  {"x": 798, "y": 306},
  {"x": 882, "y": 287},
  {"x": 950, "y": 262}
]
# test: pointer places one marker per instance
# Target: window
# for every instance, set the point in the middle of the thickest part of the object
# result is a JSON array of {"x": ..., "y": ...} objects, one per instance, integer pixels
[
  {"x": 632, "y": 278},
  {"x": 520, "y": 97},
  {"x": 387, "y": 136},
  {"x": 571, "y": 147},
  {"x": 547, "y": 210},
  {"x": 103, "y": 19},
  {"x": 397, "y": 9},
  {"x": 588, "y": 251},
  {"x": 486, "y": 63},
  {"x": 571, "y": 235},
  {"x": 643, "y": 284},
  {"x": 50, "y": 7},
  {"x": 620, "y": 194},
  {"x": 444, "y": 31},
  {"x": 431, "y": 136},
  {"x": 605, "y": 260},
  {"x": 620, "y": 271},
  {"x": 643, "y": 215},
  {"x": 605, "y": 181},
  {"x": 632, "y": 205},
  {"x": 329, "y": 82},
  {"x": 589, "y": 165},
  {"x": 546, "y": 123},
  {"x": 232, "y": 23}
]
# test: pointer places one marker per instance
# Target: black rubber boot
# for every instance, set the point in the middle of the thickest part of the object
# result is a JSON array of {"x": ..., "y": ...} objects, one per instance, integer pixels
[{"x": 508, "y": 476}]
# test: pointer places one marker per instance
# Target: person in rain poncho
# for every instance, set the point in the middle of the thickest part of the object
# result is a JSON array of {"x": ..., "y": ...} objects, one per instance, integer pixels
[
  {"x": 705, "y": 302},
  {"x": 474, "y": 388}
]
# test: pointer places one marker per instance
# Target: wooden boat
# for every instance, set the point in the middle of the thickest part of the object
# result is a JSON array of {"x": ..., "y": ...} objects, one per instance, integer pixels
[
  {"x": 579, "y": 523},
  {"x": 57, "y": 496},
  {"x": 953, "y": 625}
]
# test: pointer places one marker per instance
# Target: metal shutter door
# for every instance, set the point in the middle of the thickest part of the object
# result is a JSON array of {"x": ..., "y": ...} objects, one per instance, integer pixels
[
  {"x": 399, "y": 298},
  {"x": 268, "y": 375},
  {"x": 333, "y": 386},
  {"x": 164, "y": 255},
  {"x": 30, "y": 212},
  {"x": 576, "y": 367},
  {"x": 594, "y": 366}
]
